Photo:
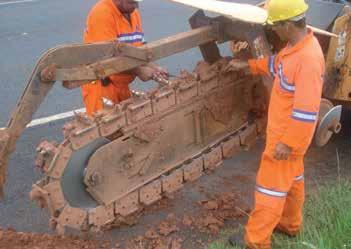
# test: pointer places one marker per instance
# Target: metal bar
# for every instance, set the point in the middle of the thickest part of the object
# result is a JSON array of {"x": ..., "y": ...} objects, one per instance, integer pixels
[
  {"x": 210, "y": 51},
  {"x": 154, "y": 51}
]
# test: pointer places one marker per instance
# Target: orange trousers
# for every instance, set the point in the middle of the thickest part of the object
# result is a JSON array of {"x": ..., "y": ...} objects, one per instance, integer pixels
[
  {"x": 279, "y": 198},
  {"x": 94, "y": 95}
]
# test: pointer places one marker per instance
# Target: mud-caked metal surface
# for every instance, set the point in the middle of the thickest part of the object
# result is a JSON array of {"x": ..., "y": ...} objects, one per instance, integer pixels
[
  {"x": 72, "y": 180},
  {"x": 337, "y": 85},
  {"x": 111, "y": 165},
  {"x": 75, "y": 65},
  {"x": 147, "y": 147}
]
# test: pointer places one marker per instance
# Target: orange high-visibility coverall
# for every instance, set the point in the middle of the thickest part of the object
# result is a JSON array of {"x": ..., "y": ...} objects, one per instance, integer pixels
[
  {"x": 106, "y": 23},
  {"x": 292, "y": 116}
]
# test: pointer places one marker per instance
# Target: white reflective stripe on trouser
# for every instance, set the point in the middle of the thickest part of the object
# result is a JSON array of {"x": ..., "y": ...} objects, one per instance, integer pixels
[
  {"x": 271, "y": 192},
  {"x": 299, "y": 178}
]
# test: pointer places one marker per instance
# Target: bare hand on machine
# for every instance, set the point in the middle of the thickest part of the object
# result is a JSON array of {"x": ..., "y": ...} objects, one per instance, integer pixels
[{"x": 236, "y": 65}]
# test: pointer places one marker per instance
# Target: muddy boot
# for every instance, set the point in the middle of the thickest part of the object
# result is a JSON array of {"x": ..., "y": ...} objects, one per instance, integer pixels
[{"x": 237, "y": 240}]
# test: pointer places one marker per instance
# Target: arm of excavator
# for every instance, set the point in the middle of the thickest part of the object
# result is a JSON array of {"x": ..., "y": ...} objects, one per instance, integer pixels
[{"x": 75, "y": 65}]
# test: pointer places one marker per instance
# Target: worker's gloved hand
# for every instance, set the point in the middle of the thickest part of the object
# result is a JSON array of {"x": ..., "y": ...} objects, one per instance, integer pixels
[
  {"x": 236, "y": 65},
  {"x": 282, "y": 152}
]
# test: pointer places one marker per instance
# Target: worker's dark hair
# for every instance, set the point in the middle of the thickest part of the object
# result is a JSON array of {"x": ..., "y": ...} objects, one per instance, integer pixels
[{"x": 300, "y": 23}]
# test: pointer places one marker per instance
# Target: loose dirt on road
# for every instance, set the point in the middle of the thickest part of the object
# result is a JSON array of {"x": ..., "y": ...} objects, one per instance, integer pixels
[
  {"x": 212, "y": 217},
  {"x": 16, "y": 240}
]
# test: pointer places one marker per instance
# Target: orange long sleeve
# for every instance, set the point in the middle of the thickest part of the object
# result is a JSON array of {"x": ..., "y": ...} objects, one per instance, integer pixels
[
  {"x": 308, "y": 91},
  {"x": 264, "y": 66}
]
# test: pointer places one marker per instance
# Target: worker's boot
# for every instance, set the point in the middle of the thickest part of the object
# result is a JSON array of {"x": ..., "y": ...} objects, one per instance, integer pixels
[
  {"x": 281, "y": 230},
  {"x": 237, "y": 240}
]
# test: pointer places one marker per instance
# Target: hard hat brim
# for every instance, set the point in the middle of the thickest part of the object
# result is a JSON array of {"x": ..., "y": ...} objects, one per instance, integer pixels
[{"x": 293, "y": 19}]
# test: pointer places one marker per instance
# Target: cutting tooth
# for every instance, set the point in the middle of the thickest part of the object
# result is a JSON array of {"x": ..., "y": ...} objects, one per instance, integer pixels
[
  {"x": 72, "y": 218},
  {"x": 39, "y": 195},
  {"x": 173, "y": 181}
]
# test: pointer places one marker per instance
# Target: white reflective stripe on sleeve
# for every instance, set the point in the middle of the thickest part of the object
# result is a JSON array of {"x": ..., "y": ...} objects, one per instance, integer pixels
[
  {"x": 304, "y": 116},
  {"x": 271, "y": 192},
  {"x": 299, "y": 178},
  {"x": 107, "y": 102},
  {"x": 130, "y": 38},
  {"x": 271, "y": 65},
  {"x": 283, "y": 80}
]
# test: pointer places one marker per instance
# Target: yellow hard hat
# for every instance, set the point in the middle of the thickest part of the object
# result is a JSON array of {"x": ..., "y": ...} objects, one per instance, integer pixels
[{"x": 281, "y": 10}]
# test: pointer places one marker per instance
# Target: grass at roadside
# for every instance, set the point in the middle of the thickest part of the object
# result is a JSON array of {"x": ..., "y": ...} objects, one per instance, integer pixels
[{"x": 327, "y": 222}]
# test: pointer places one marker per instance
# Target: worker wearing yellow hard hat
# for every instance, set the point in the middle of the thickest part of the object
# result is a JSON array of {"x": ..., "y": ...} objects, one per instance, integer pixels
[
  {"x": 297, "y": 71},
  {"x": 282, "y": 10}
]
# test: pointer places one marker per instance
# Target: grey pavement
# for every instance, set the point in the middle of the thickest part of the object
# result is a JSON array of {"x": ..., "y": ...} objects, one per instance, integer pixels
[{"x": 29, "y": 29}]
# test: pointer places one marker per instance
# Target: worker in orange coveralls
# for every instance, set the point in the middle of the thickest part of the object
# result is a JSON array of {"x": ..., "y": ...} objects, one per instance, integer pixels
[
  {"x": 293, "y": 111},
  {"x": 115, "y": 20}
]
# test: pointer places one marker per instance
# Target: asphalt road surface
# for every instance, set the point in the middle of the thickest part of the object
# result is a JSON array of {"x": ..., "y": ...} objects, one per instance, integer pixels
[{"x": 28, "y": 29}]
